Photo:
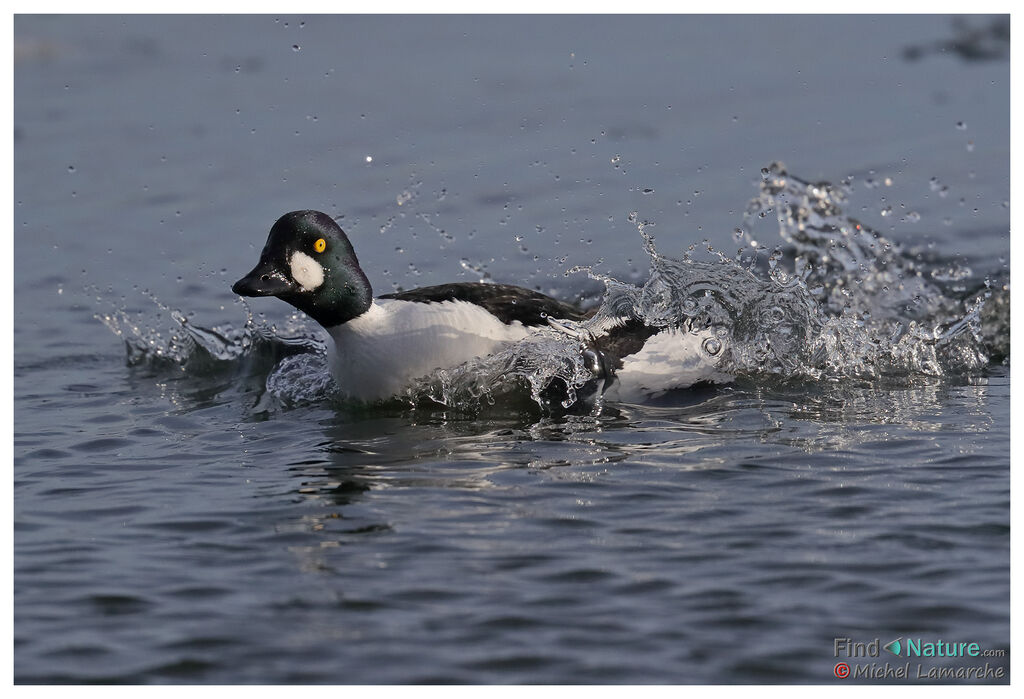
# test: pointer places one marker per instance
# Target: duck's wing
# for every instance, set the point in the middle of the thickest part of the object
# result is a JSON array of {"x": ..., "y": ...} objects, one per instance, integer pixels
[
  {"x": 623, "y": 340},
  {"x": 506, "y": 302}
]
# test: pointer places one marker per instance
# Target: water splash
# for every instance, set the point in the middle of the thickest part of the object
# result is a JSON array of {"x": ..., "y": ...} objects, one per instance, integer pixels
[
  {"x": 289, "y": 363},
  {"x": 548, "y": 366},
  {"x": 842, "y": 302},
  {"x": 878, "y": 311},
  {"x": 168, "y": 338}
]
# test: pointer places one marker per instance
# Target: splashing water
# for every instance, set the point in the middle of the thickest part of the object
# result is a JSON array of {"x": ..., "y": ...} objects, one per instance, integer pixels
[
  {"x": 848, "y": 304},
  {"x": 290, "y": 363},
  {"x": 852, "y": 305},
  {"x": 549, "y": 365},
  {"x": 875, "y": 310},
  {"x": 181, "y": 344}
]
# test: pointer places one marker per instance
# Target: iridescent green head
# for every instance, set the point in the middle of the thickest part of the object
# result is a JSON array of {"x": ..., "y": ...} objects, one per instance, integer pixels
[{"x": 309, "y": 262}]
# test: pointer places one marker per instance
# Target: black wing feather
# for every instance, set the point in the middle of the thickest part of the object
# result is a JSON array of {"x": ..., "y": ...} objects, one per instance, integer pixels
[
  {"x": 623, "y": 340},
  {"x": 506, "y": 302}
]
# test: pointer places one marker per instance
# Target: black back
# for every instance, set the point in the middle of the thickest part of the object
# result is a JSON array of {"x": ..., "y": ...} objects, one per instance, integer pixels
[{"x": 506, "y": 302}]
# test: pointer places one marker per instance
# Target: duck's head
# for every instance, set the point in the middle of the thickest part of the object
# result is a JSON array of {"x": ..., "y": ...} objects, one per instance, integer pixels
[{"x": 309, "y": 262}]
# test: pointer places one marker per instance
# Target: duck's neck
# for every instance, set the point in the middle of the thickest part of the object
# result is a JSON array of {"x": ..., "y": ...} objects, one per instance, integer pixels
[{"x": 347, "y": 296}]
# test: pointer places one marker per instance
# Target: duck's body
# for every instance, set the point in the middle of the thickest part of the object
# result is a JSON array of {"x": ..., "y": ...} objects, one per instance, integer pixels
[
  {"x": 382, "y": 345},
  {"x": 380, "y": 352}
]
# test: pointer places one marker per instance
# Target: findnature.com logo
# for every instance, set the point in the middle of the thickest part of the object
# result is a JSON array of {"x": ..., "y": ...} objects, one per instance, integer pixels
[{"x": 914, "y": 648}]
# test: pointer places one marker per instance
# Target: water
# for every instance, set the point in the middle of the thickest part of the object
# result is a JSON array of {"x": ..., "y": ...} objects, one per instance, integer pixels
[{"x": 193, "y": 504}]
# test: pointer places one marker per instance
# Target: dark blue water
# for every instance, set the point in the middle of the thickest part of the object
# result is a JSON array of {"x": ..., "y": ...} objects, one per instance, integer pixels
[{"x": 175, "y": 521}]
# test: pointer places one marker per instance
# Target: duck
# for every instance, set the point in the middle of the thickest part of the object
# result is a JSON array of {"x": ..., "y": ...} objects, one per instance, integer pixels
[{"x": 383, "y": 344}]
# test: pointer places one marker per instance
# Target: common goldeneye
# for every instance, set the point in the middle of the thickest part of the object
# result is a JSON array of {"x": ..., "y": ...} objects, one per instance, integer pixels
[{"x": 382, "y": 344}]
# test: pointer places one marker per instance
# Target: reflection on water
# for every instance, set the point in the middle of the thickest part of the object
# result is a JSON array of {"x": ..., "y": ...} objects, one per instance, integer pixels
[{"x": 467, "y": 453}]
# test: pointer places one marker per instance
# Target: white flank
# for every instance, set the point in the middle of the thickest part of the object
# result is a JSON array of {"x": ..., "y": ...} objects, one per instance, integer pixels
[
  {"x": 306, "y": 271},
  {"x": 669, "y": 360},
  {"x": 381, "y": 352}
]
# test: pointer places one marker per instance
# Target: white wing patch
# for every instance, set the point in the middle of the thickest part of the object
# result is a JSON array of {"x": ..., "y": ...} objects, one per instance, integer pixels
[{"x": 306, "y": 271}]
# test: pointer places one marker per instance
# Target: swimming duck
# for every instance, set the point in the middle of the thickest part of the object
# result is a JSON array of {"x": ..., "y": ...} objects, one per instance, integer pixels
[{"x": 382, "y": 344}]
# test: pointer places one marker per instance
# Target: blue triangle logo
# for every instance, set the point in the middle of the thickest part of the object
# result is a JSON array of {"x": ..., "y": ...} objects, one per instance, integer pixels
[{"x": 893, "y": 646}]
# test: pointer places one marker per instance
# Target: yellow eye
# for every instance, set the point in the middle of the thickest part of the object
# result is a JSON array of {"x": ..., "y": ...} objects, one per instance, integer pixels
[{"x": 320, "y": 245}]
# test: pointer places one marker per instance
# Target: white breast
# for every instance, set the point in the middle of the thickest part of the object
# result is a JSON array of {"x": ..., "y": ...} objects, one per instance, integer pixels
[{"x": 381, "y": 352}]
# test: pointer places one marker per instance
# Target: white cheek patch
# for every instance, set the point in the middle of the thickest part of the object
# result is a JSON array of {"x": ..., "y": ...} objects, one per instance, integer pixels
[{"x": 306, "y": 271}]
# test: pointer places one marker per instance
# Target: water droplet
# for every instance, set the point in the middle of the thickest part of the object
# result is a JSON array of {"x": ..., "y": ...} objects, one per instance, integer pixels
[
  {"x": 774, "y": 315},
  {"x": 712, "y": 346}
]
